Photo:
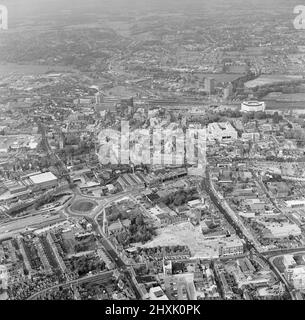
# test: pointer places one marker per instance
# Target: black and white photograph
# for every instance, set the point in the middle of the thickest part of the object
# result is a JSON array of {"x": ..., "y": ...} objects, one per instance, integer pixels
[{"x": 152, "y": 153}]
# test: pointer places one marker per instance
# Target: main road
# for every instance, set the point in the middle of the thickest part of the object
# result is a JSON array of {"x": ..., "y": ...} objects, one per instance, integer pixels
[
  {"x": 51, "y": 153},
  {"x": 241, "y": 233},
  {"x": 100, "y": 277},
  {"x": 111, "y": 251}
]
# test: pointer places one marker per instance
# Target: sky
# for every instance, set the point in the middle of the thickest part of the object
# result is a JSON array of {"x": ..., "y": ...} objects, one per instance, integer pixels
[{"x": 21, "y": 10}]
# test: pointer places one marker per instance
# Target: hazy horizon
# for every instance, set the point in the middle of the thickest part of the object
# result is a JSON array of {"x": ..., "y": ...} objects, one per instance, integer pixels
[{"x": 21, "y": 10}]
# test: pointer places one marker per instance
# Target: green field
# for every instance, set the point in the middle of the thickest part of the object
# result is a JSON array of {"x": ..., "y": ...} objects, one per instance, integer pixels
[
  {"x": 278, "y": 262},
  {"x": 83, "y": 206}
]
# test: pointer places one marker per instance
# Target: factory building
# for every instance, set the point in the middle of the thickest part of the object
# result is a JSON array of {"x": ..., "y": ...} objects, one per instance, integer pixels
[{"x": 44, "y": 180}]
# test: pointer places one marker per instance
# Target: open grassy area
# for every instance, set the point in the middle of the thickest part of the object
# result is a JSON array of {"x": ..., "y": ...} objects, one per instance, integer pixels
[
  {"x": 278, "y": 262},
  {"x": 83, "y": 206}
]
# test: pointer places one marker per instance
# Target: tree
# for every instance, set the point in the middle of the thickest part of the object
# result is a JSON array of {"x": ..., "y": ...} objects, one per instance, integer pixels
[
  {"x": 139, "y": 220},
  {"x": 123, "y": 238},
  {"x": 180, "y": 199},
  {"x": 245, "y": 118},
  {"x": 276, "y": 118},
  {"x": 260, "y": 115}
]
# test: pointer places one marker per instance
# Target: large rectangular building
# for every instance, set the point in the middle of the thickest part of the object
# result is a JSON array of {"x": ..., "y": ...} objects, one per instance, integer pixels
[
  {"x": 156, "y": 293},
  {"x": 44, "y": 180},
  {"x": 231, "y": 247},
  {"x": 295, "y": 203},
  {"x": 296, "y": 276},
  {"x": 221, "y": 131},
  {"x": 14, "y": 187}
]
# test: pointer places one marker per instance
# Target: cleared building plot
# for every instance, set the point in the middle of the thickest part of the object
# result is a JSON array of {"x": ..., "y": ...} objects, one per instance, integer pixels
[{"x": 186, "y": 234}]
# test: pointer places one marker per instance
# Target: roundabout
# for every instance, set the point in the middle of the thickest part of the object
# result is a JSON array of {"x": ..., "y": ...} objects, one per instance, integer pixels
[{"x": 83, "y": 206}]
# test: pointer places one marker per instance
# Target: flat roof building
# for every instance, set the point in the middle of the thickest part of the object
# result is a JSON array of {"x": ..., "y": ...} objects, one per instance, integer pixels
[
  {"x": 44, "y": 180},
  {"x": 157, "y": 293},
  {"x": 295, "y": 203},
  {"x": 231, "y": 247},
  {"x": 221, "y": 131}
]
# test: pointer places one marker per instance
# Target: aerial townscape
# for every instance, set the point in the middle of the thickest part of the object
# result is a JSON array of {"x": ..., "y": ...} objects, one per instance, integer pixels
[{"x": 152, "y": 150}]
